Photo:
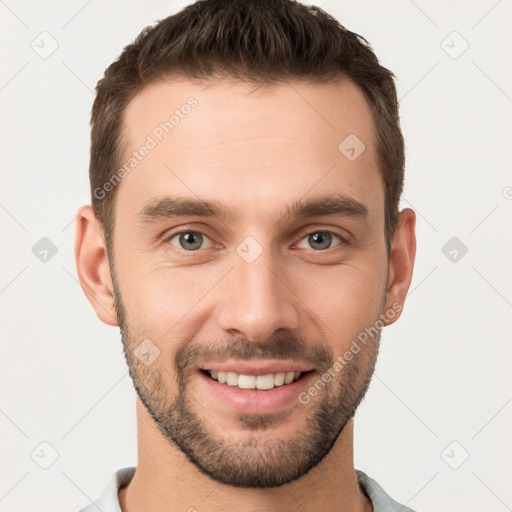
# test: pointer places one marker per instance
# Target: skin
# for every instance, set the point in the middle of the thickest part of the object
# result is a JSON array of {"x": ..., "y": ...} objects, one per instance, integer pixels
[{"x": 257, "y": 152}]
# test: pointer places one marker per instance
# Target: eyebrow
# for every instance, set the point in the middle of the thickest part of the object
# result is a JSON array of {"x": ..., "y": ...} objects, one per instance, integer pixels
[{"x": 168, "y": 207}]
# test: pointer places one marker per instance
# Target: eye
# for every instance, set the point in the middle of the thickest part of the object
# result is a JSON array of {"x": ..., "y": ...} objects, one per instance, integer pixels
[
  {"x": 189, "y": 240},
  {"x": 320, "y": 240}
]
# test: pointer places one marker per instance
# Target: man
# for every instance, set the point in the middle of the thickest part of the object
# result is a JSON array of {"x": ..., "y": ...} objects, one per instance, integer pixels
[{"x": 246, "y": 169}]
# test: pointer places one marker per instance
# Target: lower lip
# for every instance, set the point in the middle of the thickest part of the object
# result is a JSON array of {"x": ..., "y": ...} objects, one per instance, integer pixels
[{"x": 256, "y": 401}]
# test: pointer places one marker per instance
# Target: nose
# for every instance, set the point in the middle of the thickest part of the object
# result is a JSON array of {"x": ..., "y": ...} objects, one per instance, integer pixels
[{"x": 258, "y": 299}]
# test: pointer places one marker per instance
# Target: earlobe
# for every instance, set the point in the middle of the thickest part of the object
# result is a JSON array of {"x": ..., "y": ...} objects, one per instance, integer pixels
[
  {"x": 401, "y": 263},
  {"x": 92, "y": 265}
]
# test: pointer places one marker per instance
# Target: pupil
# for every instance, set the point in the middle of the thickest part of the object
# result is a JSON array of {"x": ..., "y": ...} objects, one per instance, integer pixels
[
  {"x": 189, "y": 239},
  {"x": 321, "y": 238}
]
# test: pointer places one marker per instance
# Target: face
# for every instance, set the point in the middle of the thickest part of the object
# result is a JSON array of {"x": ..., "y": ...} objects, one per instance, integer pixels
[{"x": 249, "y": 247}]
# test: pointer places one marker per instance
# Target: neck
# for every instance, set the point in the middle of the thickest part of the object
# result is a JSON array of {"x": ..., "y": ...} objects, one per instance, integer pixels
[{"x": 166, "y": 480}]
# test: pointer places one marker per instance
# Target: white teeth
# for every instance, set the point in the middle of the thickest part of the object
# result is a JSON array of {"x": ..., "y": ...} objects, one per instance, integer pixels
[
  {"x": 232, "y": 379},
  {"x": 279, "y": 379},
  {"x": 262, "y": 382},
  {"x": 265, "y": 381},
  {"x": 246, "y": 381}
]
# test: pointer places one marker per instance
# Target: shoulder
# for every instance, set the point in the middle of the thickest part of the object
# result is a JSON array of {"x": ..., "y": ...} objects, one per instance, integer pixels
[
  {"x": 381, "y": 500},
  {"x": 109, "y": 499}
]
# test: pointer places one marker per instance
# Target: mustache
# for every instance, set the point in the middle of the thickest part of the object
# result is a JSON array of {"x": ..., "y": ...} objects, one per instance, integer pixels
[{"x": 289, "y": 347}]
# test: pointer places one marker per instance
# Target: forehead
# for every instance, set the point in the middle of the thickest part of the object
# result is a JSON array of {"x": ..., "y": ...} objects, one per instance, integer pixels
[{"x": 248, "y": 146}]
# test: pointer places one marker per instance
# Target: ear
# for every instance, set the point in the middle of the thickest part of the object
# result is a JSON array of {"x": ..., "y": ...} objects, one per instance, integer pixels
[
  {"x": 92, "y": 265},
  {"x": 401, "y": 263}
]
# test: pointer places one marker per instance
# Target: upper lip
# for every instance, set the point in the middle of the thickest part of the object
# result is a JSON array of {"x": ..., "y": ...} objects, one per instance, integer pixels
[{"x": 258, "y": 367}]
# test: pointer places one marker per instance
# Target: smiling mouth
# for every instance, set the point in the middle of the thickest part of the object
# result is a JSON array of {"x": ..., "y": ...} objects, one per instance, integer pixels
[{"x": 259, "y": 382}]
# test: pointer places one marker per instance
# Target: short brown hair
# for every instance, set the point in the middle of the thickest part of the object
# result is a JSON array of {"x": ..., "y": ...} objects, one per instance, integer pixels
[{"x": 256, "y": 41}]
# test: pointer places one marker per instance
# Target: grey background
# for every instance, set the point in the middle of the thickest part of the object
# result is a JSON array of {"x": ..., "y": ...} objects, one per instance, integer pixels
[{"x": 442, "y": 390}]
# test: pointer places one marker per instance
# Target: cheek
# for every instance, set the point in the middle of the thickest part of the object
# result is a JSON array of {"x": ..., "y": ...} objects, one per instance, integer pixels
[
  {"x": 346, "y": 300},
  {"x": 165, "y": 302}
]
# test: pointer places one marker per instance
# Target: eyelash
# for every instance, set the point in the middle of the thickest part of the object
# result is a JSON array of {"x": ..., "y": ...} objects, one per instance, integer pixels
[{"x": 168, "y": 237}]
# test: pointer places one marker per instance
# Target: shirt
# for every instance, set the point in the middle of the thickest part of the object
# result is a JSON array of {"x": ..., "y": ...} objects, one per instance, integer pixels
[{"x": 109, "y": 500}]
